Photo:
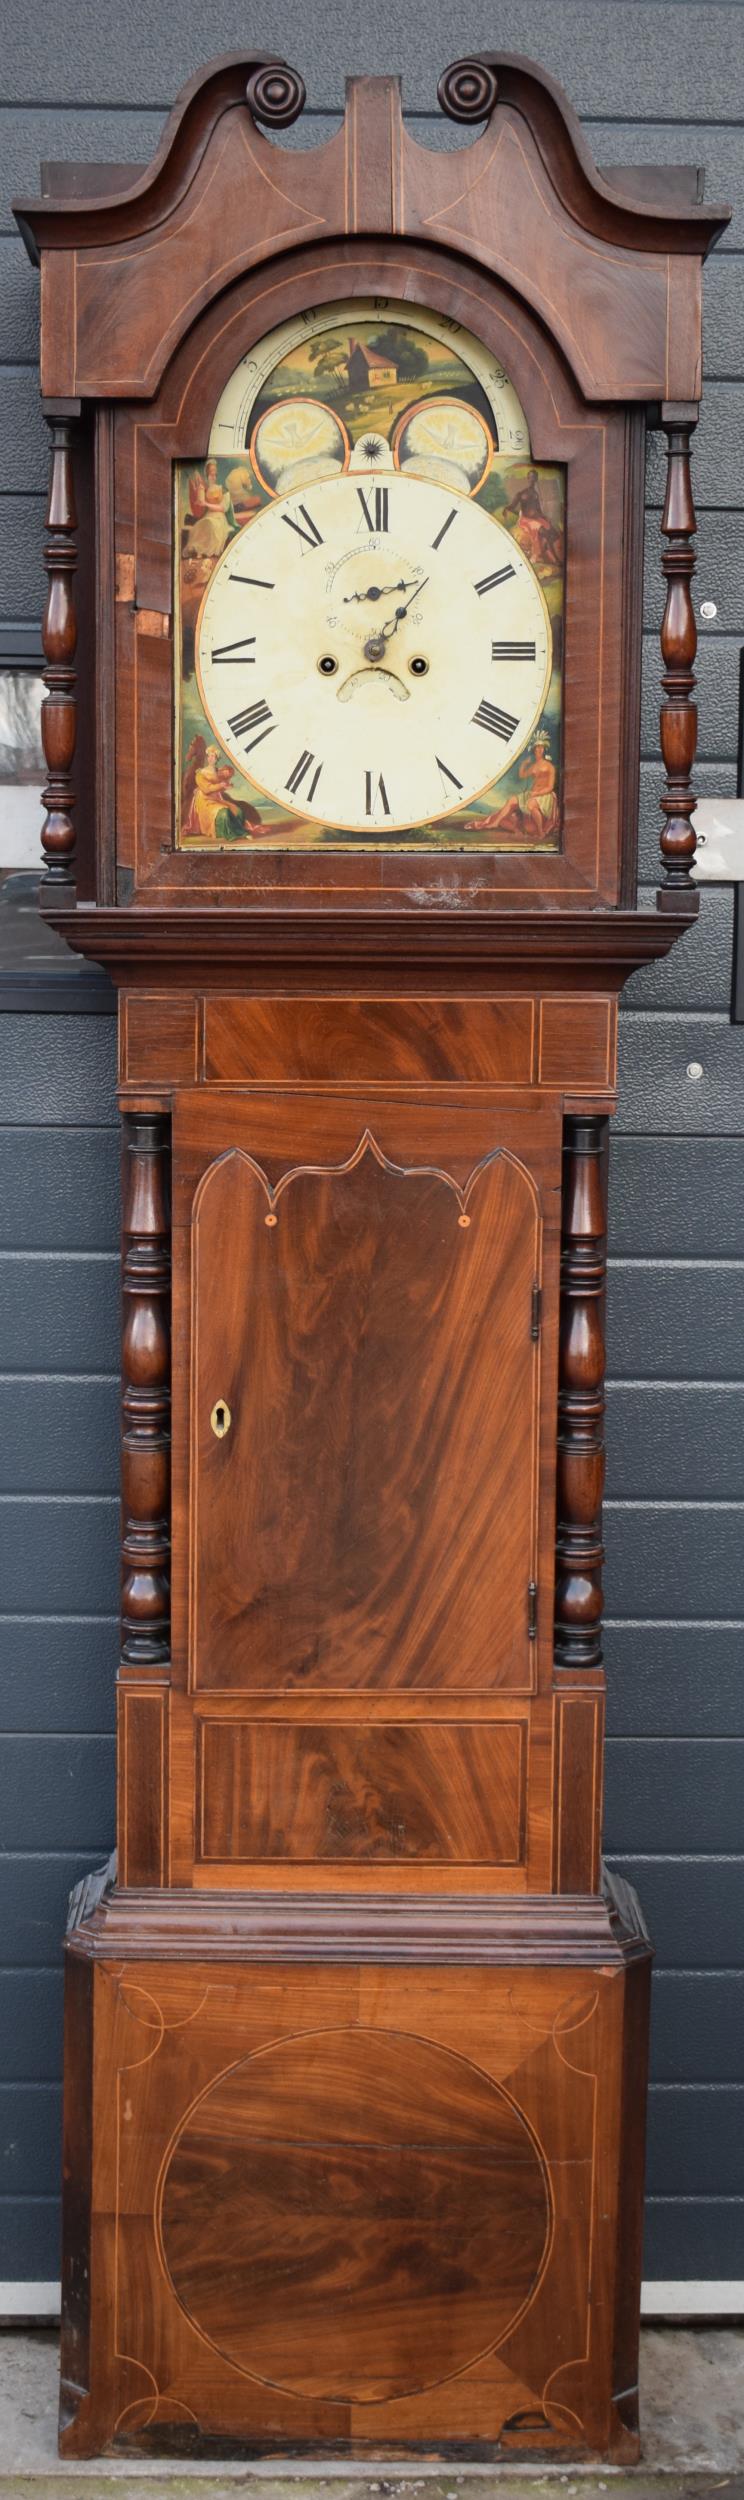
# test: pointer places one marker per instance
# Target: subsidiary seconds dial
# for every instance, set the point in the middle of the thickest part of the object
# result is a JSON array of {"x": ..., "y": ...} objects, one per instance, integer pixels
[{"x": 373, "y": 654}]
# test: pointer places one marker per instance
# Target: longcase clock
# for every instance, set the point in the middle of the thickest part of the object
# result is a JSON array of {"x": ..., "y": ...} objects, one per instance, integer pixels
[{"x": 343, "y": 657}]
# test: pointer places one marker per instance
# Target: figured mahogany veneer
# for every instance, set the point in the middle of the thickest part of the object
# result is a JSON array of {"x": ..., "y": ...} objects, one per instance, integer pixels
[
  {"x": 394, "y": 2207},
  {"x": 389, "y": 1324},
  {"x": 356, "y": 2051},
  {"x": 411, "y": 2153},
  {"x": 222, "y": 1039},
  {"x": 436, "y": 1790},
  {"x": 382, "y": 1262}
]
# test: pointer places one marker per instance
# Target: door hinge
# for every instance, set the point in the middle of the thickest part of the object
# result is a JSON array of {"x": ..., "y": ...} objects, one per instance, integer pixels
[
  {"x": 532, "y": 1610},
  {"x": 536, "y": 1311}
]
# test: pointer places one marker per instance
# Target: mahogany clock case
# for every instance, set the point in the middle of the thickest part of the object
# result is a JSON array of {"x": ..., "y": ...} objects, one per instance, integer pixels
[
  {"x": 361, "y": 2181},
  {"x": 356, "y": 2048}
]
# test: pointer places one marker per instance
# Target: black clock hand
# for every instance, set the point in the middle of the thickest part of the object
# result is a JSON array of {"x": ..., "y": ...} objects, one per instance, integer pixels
[
  {"x": 376, "y": 647},
  {"x": 385, "y": 592},
  {"x": 394, "y": 621}
]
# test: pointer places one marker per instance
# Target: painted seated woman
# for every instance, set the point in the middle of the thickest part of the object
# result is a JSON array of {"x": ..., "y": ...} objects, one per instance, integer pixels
[
  {"x": 213, "y": 515},
  {"x": 209, "y": 812}
]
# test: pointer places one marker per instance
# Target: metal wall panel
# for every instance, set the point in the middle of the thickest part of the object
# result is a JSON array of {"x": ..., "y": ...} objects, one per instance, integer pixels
[
  {"x": 644, "y": 59},
  {"x": 675, "y": 1679}
]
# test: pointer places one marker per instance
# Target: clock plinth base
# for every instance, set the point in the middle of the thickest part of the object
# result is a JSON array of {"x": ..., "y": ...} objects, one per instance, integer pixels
[{"x": 354, "y": 2178}]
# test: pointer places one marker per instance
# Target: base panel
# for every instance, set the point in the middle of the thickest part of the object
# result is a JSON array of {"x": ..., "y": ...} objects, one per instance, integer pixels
[{"x": 325, "y": 2202}]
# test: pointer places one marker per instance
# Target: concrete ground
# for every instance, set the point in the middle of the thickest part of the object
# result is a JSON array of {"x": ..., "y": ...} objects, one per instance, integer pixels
[{"x": 692, "y": 2384}]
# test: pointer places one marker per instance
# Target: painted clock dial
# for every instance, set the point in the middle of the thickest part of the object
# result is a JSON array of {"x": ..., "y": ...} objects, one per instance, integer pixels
[
  {"x": 321, "y": 335},
  {"x": 369, "y": 598},
  {"x": 375, "y": 651}
]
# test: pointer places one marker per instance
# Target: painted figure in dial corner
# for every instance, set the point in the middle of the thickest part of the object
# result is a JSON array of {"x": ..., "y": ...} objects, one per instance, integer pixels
[
  {"x": 532, "y": 814},
  {"x": 210, "y": 811},
  {"x": 213, "y": 517},
  {"x": 533, "y": 528}
]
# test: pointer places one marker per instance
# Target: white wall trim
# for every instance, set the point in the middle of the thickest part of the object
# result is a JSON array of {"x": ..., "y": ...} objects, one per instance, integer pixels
[
  {"x": 692, "y": 2300},
  {"x": 658, "y": 2300},
  {"x": 29, "y": 2300},
  {"x": 20, "y": 824}
]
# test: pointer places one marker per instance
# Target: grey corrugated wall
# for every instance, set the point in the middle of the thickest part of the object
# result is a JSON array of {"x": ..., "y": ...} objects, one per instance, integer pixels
[{"x": 651, "y": 81}]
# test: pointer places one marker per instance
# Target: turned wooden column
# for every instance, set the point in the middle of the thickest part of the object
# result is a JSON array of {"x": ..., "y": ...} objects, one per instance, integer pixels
[
  {"x": 678, "y": 714},
  {"x": 59, "y": 639},
  {"x": 581, "y": 1462},
  {"x": 146, "y": 1395}
]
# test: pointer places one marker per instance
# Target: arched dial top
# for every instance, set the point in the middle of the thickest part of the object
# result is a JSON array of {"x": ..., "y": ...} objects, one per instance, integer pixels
[
  {"x": 333, "y": 326},
  {"x": 373, "y": 652}
]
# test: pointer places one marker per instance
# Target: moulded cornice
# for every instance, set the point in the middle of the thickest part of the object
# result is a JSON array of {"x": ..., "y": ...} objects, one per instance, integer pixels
[{"x": 195, "y": 942}]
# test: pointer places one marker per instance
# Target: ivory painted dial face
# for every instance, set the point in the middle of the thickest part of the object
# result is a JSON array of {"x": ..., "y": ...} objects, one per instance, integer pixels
[{"x": 373, "y": 653}]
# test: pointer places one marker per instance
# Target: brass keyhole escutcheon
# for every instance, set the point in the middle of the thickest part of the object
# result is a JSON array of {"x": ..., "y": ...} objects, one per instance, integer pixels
[{"x": 220, "y": 1419}]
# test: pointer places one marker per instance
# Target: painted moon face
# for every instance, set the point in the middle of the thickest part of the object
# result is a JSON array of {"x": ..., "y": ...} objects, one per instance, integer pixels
[
  {"x": 447, "y": 441},
  {"x": 281, "y": 359},
  {"x": 372, "y": 654},
  {"x": 298, "y": 440}
]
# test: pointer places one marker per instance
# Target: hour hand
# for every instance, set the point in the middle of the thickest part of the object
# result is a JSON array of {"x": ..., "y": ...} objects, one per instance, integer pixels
[{"x": 383, "y": 591}]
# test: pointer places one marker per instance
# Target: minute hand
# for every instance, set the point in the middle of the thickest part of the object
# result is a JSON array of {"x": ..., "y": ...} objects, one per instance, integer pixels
[{"x": 394, "y": 621}]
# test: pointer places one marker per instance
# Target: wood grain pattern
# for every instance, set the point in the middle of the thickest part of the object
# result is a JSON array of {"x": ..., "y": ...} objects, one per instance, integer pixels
[
  {"x": 359, "y": 2208},
  {"x": 414, "y": 1930},
  {"x": 354, "y": 2111},
  {"x": 77, "y": 2188},
  {"x": 529, "y": 206},
  {"x": 159, "y": 1039},
  {"x": 349, "y": 1041},
  {"x": 678, "y": 715},
  {"x": 143, "y": 1782},
  {"x": 577, "y": 1810},
  {"x": 580, "y": 1479},
  {"x": 509, "y": 1040},
  {"x": 389, "y": 2149},
  {"x": 577, "y": 1033},
  {"x": 388, "y": 1328},
  {"x": 432, "y": 1791},
  {"x": 386, "y": 1742},
  {"x": 145, "y": 1396},
  {"x": 432, "y": 951},
  {"x": 59, "y": 639}
]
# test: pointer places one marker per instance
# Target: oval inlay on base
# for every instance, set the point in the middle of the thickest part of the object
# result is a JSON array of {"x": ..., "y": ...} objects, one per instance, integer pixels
[{"x": 354, "y": 2214}]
